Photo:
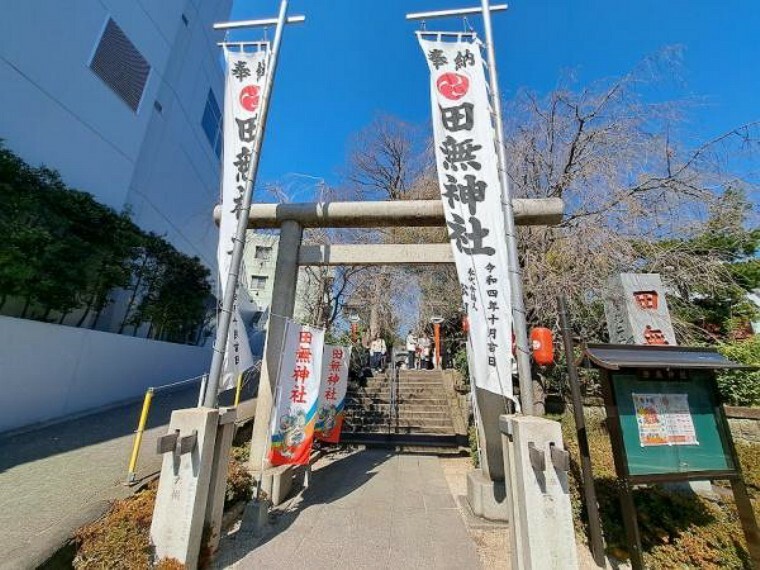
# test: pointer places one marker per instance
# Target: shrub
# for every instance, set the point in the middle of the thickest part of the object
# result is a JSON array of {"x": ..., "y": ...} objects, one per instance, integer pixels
[
  {"x": 677, "y": 530},
  {"x": 239, "y": 479},
  {"x": 472, "y": 436},
  {"x": 121, "y": 538},
  {"x": 741, "y": 388},
  {"x": 460, "y": 364}
]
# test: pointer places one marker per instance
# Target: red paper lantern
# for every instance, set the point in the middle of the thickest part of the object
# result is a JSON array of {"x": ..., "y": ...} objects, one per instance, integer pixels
[{"x": 542, "y": 344}]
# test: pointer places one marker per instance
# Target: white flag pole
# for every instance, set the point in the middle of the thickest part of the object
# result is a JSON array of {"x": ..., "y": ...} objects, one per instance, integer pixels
[
  {"x": 515, "y": 273},
  {"x": 225, "y": 316}
]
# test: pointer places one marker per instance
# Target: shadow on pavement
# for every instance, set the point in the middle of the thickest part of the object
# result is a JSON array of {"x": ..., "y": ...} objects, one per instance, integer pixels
[
  {"x": 101, "y": 426},
  {"x": 328, "y": 484},
  {"x": 90, "y": 429}
]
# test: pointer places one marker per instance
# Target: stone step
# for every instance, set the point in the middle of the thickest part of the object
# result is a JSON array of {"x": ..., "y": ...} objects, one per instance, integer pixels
[
  {"x": 431, "y": 442},
  {"x": 439, "y": 391},
  {"x": 402, "y": 411},
  {"x": 415, "y": 427},
  {"x": 403, "y": 386},
  {"x": 407, "y": 400},
  {"x": 410, "y": 418},
  {"x": 402, "y": 429},
  {"x": 374, "y": 419},
  {"x": 404, "y": 403}
]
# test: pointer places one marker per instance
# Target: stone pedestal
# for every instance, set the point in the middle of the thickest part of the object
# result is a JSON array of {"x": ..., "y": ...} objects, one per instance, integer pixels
[
  {"x": 218, "y": 489},
  {"x": 277, "y": 483},
  {"x": 543, "y": 537},
  {"x": 183, "y": 488},
  {"x": 486, "y": 491},
  {"x": 487, "y": 498}
]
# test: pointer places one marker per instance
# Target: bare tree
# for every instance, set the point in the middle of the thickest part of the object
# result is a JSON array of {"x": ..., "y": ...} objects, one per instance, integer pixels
[
  {"x": 385, "y": 159},
  {"x": 636, "y": 196}
]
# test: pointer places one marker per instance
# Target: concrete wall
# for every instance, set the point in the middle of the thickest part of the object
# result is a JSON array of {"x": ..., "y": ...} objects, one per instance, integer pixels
[{"x": 49, "y": 371}]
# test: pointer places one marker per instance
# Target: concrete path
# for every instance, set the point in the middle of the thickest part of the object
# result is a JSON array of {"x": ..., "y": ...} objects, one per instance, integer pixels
[
  {"x": 54, "y": 479},
  {"x": 366, "y": 509}
]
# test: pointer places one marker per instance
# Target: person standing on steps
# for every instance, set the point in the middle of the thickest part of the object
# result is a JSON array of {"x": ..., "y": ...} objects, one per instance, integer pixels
[
  {"x": 426, "y": 345},
  {"x": 377, "y": 350},
  {"x": 411, "y": 349}
]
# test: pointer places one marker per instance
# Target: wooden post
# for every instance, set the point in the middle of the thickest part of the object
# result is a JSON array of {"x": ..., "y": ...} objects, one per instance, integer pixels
[
  {"x": 747, "y": 518},
  {"x": 589, "y": 491}
]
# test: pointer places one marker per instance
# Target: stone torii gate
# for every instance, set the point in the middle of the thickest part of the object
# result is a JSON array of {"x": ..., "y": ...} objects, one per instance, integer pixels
[{"x": 292, "y": 219}]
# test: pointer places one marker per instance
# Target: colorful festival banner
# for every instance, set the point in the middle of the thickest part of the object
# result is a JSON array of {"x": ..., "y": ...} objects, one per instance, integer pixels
[
  {"x": 298, "y": 385},
  {"x": 468, "y": 177},
  {"x": 332, "y": 393},
  {"x": 246, "y": 75}
]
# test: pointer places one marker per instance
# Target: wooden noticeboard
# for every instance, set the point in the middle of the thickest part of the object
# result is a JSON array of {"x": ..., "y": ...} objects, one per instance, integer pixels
[
  {"x": 696, "y": 445},
  {"x": 704, "y": 449}
]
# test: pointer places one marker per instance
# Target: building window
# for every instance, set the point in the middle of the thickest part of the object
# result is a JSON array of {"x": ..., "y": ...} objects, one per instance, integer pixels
[
  {"x": 263, "y": 253},
  {"x": 118, "y": 63},
  {"x": 258, "y": 282},
  {"x": 212, "y": 123}
]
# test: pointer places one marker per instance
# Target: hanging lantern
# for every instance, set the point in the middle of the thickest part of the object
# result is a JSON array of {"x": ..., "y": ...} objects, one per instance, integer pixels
[{"x": 542, "y": 344}]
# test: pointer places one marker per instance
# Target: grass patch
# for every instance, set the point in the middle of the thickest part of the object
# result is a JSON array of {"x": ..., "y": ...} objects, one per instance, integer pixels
[
  {"x": 120, "y": 540},
  {"x": 677, "y": 530}
]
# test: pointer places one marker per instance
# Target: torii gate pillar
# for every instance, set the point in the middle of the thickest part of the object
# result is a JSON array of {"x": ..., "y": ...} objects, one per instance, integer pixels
[{"x": 282, "y": 305}]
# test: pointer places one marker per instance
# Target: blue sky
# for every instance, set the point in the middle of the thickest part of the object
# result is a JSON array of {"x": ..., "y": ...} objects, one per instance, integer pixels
[{"x": 353, "y": 59}]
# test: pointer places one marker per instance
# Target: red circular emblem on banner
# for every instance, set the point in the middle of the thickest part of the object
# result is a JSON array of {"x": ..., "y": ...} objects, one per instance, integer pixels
[
  {"x": 249, "y": 98},
  {"x": 453, "y": 86}
]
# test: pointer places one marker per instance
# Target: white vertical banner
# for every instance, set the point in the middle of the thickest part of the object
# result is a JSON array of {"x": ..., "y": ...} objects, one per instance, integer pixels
[
  {"x": 468, "y": 177},
  {"x": 332, "y": 392},
  {"x": 298, "y": 383},
  {"x": 246, "y": 76}
]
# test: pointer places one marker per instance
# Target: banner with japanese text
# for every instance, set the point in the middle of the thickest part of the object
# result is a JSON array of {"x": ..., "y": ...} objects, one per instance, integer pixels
[
  {"x": 332, "y": 393},
  {"x": 468, "y": 177},
  {"x": 246, "y": 75},
  {"x": 298, "y": 385}
]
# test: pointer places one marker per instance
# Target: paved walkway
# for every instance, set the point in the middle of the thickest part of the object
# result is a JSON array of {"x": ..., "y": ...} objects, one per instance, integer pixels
[
  {"x": 367, "y": 509},
  {"x": 54, "y": 479}
]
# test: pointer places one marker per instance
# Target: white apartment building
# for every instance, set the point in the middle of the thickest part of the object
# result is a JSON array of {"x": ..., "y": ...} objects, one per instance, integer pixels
[
  {"x": 259, "y": 260},
  {"x": 123, "y": 98}
]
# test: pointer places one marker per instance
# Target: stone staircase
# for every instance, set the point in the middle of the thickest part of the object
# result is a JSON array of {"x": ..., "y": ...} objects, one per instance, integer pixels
[{"x": 422, "y": 417}]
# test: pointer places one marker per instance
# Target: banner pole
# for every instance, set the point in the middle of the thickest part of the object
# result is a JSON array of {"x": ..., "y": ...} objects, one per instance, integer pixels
[
  {"x": 515, "y": 274},
  {"x": 225, "y": 316}
]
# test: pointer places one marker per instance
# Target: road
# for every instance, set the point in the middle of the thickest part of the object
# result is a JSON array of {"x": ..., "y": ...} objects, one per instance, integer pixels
[{"x": 56, "y": 478}]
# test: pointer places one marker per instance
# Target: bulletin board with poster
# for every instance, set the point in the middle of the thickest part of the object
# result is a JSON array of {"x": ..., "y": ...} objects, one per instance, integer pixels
[
  {"x": 670, "y": 425},
  {"x": 666, "y": 424}
]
